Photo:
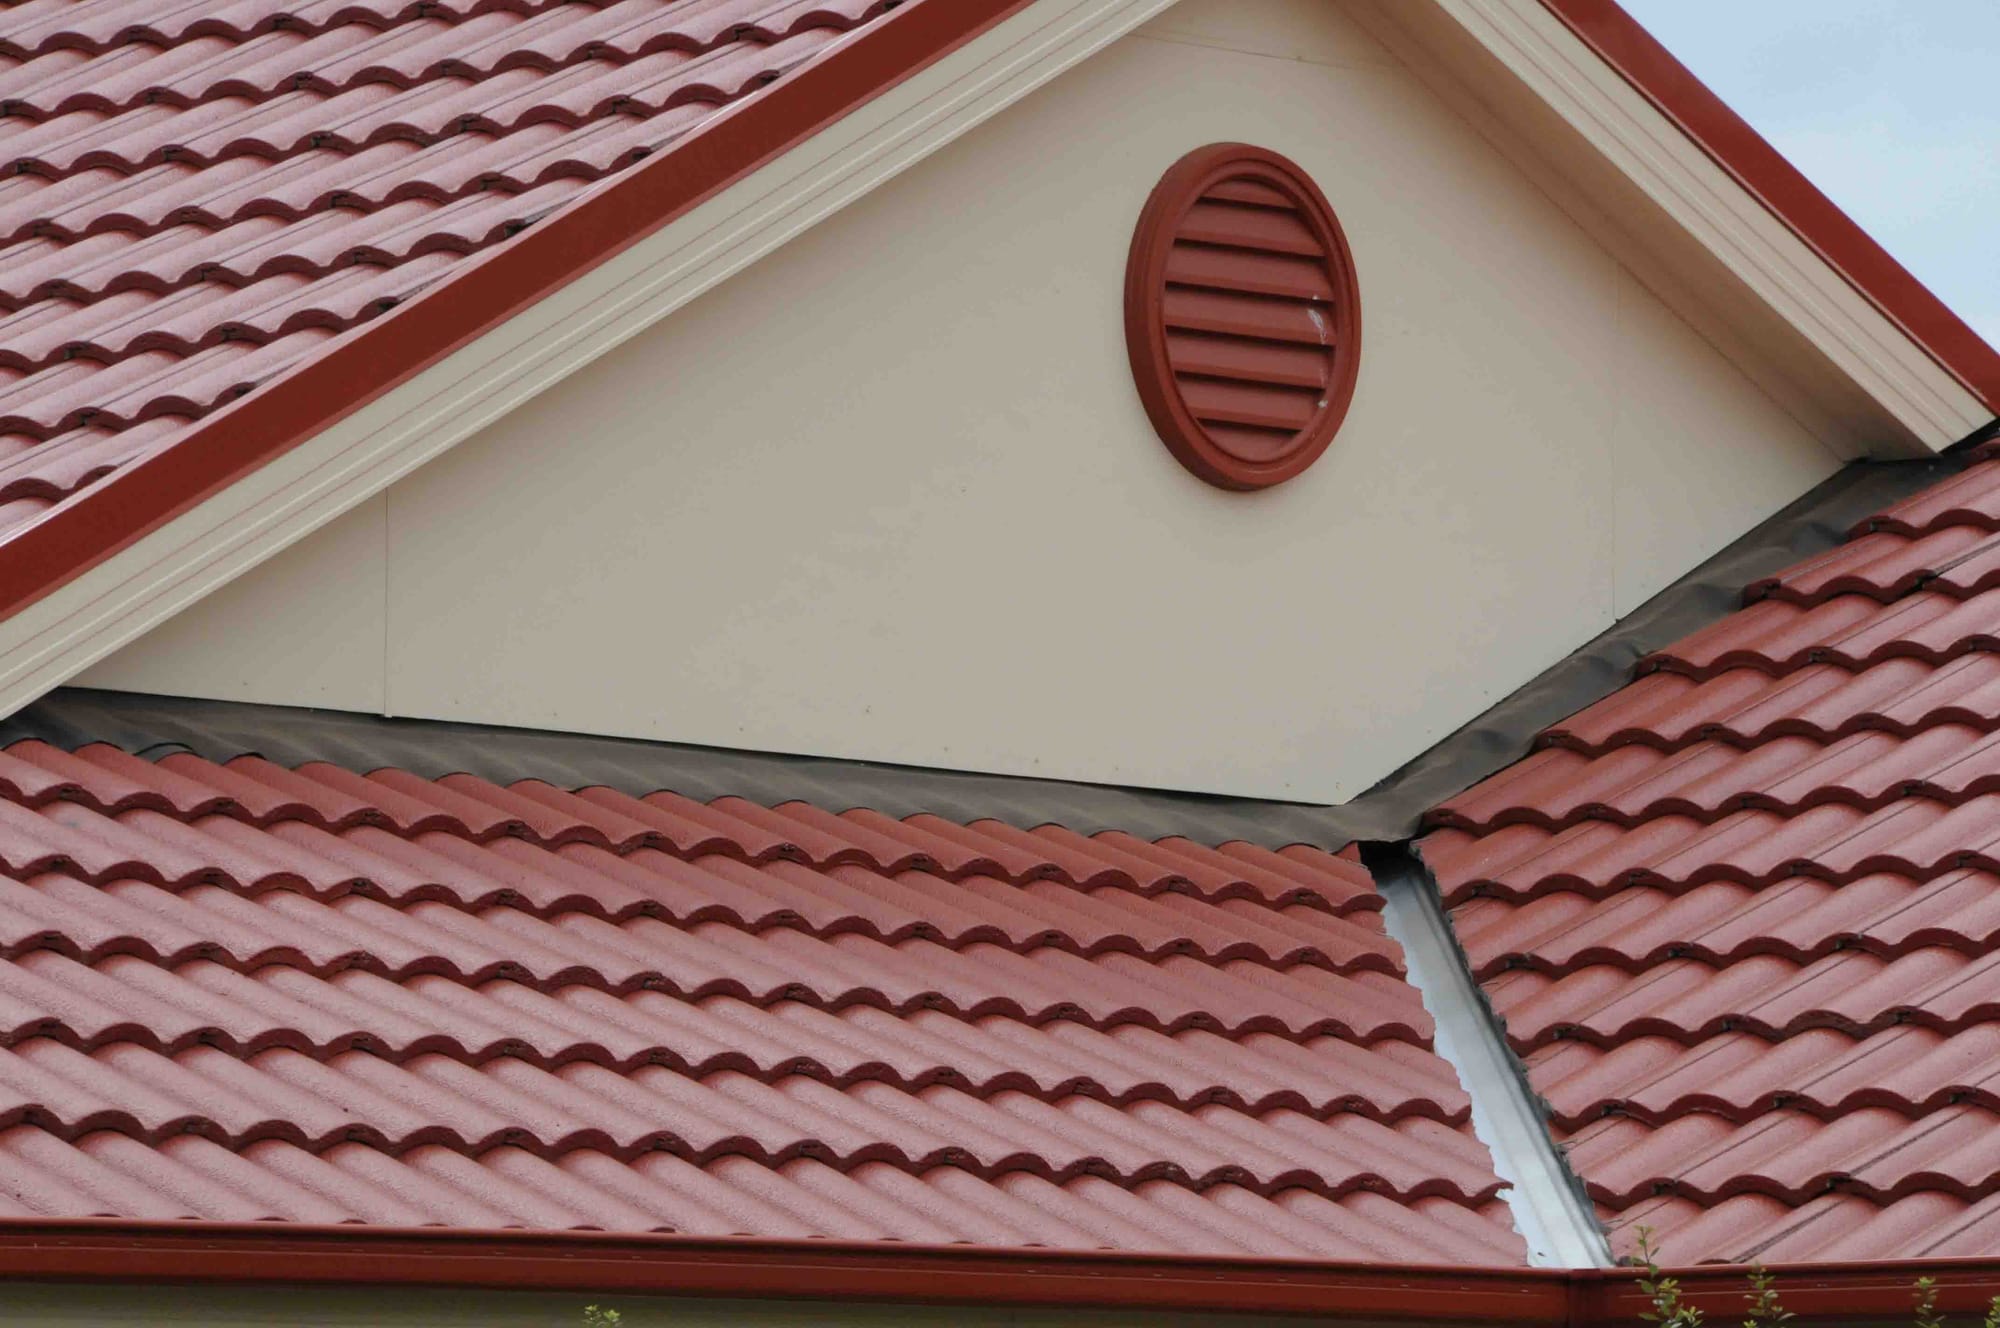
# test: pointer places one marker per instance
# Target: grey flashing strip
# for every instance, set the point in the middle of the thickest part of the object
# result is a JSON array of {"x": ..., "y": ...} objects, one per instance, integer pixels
[
  {"x": 1811, "y": 524},
  {"x": 1550, "y": 1209},
  {"x": 156, "y": 726},
  {"x": 220, "y": 730}
]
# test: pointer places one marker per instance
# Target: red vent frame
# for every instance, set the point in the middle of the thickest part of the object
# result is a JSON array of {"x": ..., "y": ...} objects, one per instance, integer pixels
[{"x": 1242, "y": 316}]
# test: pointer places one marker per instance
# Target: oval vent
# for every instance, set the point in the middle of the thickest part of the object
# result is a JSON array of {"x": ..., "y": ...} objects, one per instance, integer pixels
[{"x": 1242, "y": 316}]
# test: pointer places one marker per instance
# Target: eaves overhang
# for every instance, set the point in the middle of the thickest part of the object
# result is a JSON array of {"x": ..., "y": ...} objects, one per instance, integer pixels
[
  {"x": 1708, "y": 215},
  {"x": 1728, "y": 140}
]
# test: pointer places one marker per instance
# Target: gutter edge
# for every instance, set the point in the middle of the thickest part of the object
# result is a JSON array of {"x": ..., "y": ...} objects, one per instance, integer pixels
[
  {"x": 598, "y": 1263},
  {"x": 244, "y": 1254}
]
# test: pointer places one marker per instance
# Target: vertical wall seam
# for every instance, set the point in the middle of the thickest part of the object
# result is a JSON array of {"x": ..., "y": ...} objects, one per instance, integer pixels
[
  {"x": 1551, "y": 1211},
  {"x": 388, "y": 552}
]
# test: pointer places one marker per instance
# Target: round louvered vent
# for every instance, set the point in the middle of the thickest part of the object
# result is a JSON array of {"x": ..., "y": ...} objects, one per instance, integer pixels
[{"x": 1242, "y": 316}]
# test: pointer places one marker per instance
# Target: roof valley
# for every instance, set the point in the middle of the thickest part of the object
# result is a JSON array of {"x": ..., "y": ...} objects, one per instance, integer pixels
[
  {"x": 1736, "y": 917},
  {"x": 1547, "y": 1200}
]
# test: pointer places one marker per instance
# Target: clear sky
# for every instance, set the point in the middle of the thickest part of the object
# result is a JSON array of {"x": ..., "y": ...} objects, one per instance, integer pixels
[{"x": 1892, "y": 107}]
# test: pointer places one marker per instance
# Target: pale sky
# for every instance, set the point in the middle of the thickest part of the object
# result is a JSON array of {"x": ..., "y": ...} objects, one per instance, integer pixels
[{"x": 1891, "y": 107}]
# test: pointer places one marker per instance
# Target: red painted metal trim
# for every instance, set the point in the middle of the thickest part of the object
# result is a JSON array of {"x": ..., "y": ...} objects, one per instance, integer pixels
[
  {"x": 1733, "y": 145},
  {"x": 283, "y": 413},
  {"x": 594, "y": 1263},
  {"x": 597, "y": 1264}
]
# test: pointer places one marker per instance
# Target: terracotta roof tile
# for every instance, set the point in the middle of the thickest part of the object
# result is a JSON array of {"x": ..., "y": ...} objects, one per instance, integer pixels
[
  {"x": 249, "y": 992},
  {"x": 201, "y": 195},
  {"x": 1741, "y": 918}
]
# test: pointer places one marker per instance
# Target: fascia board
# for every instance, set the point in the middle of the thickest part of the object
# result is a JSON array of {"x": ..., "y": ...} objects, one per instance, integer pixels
[
  {"x": 287, "y": 497},
  {"x": 1697, "y": 194},
  {"x": 198, "y": 1263}
]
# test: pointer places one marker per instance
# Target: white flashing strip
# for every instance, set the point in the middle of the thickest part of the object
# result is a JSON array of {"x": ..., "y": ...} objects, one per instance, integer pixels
[
  {"x": 1549, "y": 1210},
  {"x": 296, "y": 493},
  {"x": 1727, "y": 219}
]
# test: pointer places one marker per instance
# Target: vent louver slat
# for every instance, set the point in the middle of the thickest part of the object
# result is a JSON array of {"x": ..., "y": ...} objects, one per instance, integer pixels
[
  {"x": 1247, "y": 361},
  {"x": 1265, "y": 406},
  {"x": 1264, "y": 229},
  {"x": 1242, "y": 316},
  {"x": 1190, "y": 310},
  {"x": 1249, "y": 191},
  {"x": 1247, "y": 273}
]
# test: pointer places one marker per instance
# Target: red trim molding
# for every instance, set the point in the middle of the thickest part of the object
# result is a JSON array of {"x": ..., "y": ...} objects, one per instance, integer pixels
[
  {"x": 1732, "y": 144},
  {"x": 1242, "y": 316},
  {"x": 301, "y": 403},
  {"x": 595, "y": 1263}
]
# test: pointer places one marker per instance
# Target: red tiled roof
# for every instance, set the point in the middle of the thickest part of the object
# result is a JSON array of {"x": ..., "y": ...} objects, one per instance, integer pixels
[
  {"x": 1742, "y": 917},
  {"x": 241, "y": 992},
  {"x": 198, "y": 198}
]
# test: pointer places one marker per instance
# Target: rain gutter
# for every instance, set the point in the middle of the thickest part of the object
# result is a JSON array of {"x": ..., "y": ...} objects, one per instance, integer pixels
[{"x": 249, "y": 1254}]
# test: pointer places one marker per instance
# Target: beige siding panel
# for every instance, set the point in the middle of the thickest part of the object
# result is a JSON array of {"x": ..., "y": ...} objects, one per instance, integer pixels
[
  {"x": 306, "y": 628},
  {"x": 1311, "y": 30},
  {"x": 889, "y": 493},
  {"x": 1702, "y": 455}
]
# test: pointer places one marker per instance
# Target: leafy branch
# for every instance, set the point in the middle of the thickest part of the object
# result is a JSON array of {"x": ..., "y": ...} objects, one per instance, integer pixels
[{"x": 1767, "y": 1310}]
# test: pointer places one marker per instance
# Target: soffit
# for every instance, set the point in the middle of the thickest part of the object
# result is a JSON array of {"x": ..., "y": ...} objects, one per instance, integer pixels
[{"x": 1708, "y": 216}]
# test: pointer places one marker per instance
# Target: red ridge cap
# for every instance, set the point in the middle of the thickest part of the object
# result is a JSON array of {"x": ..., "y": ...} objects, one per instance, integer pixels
[
  {"x": 596, "y": 1263},
  {"x": 298, "y": 404},
  {"x": 1729, "y": 141}
]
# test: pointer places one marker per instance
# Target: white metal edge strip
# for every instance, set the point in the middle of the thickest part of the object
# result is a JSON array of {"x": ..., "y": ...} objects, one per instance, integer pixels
[
  {"x": 1703, "y": 198},
  {"x": 1549, "y": 1209},
  {"x": 224, "y": 536}
]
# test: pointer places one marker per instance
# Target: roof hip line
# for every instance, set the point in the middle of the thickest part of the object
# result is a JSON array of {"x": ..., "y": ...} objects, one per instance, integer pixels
[{"x": 1550, "y": 1209}]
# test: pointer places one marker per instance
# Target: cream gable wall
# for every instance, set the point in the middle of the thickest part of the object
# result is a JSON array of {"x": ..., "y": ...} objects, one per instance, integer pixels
[{"x": 889, "y": 493}]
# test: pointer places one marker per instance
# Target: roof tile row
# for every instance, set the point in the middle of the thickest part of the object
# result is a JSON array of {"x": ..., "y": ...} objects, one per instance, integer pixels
[
  {"x": 320, "y": 993},
  {"x": 1741, "y": 918},
  {"x": 200, "y": 196},
  {"x": 189, "y": 1176},
  {"x": 513, "y": 31}
]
